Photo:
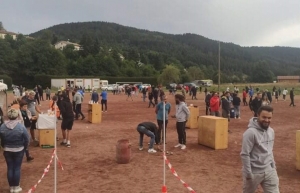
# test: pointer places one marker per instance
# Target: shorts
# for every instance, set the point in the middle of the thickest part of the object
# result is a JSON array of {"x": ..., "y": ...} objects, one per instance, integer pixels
[
  {"x": 33, "y": 124},
  {"x": 67, "y": 124}
]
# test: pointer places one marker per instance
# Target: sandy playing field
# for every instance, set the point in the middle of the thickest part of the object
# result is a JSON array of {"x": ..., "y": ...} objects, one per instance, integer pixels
[{"x": 90, "y": 165}]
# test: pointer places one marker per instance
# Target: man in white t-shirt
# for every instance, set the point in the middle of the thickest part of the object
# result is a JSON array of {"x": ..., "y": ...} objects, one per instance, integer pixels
[{"x": 284, "y": 93}]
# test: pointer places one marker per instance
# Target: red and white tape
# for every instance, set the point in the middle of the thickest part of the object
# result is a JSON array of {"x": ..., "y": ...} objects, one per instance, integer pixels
[
  {"x": 176, "y": 175},
  {"x": 46, "y": 170}
]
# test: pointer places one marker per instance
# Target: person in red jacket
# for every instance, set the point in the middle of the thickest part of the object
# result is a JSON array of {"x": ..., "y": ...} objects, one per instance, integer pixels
[
  {"x": 245, "y": 97},
  {"x": 215, "y": 104}
]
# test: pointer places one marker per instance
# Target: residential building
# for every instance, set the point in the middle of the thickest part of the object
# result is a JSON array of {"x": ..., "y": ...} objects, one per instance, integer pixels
[
  {"x": 61, "y": 44},
  {"x": 289, "y": 79},
  {"x": 3, "y": 33}
]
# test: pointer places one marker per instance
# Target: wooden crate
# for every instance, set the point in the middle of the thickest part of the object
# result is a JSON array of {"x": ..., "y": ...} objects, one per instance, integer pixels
[
  {"x": 213, "y": 132},
  {"x": 94, "y": 113},
  {"x": 298, "y": 149},
  {"x": 47, "y": 137},
  {"x": 192, "y": 122}
]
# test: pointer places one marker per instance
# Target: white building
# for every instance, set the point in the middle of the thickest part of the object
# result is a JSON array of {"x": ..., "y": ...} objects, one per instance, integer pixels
[
  {"x": 61, "y": 44},
  {"x": 3, "y": 33}
]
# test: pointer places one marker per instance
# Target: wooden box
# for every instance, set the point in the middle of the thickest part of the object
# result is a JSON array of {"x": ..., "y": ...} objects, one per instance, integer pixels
[
  {"x": 298, "y": 149},
  {"x": 192, "y": 122},
  {"x": 94, "y": 113},
  {"x": 213, "y": 132},
  {"x": 47, "y": 137}
]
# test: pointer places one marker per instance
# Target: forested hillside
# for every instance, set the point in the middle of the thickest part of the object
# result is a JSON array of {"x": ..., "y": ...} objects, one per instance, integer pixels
[{"x": 146, "y": 55}]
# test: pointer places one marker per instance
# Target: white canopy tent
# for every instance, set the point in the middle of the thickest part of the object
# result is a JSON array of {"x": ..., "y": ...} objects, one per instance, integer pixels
[{"x": 3, "y": 95}]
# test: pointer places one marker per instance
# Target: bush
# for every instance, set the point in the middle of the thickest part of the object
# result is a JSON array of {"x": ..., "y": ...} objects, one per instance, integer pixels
[{"x": 7, "y": 80}]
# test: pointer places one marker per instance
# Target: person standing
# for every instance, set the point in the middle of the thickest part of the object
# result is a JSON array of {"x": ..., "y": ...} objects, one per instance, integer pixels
[
  {"x": 236, "y": 102},
  {"x": 207, "y": 103},
  {"x": 245, "y": 97},
  {"x": 14, "y": 140},
  {"x": 194, "y": 93},
  {"x": 292, "y": 95},
  {"x": 48, "y": 93},
  {"x": 226, "y": 105},
  {"x": 276, "y": 96},
  {"x": 284, "y": 93},
  {"x": 95, "y": 96},
  {"x": 155, "y": 95},
  {"x": 256, "y": 104},
  {"x": 159, "y": 110},
  {"x": 78, "y": 98},
  {"x": 128, "y": 90},
  {"x": 149, "y": 129},
  {"x": 65, "y": 107},
  {"x": 150, "y": 97},
  {"x": 104, "y": 100},
  {"x": 34, "y": 110},
  {"x": 144, "y": 92},
  {"x": 257, "y": 154},
  {"x": 182, "y": 115},
  {"x": 214, "y": 105}
]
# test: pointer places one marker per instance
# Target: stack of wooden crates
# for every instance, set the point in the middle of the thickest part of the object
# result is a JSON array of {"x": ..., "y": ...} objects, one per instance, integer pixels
[
  {"x": 213, "y": 132},
  {"x": 94, "y": 113}
]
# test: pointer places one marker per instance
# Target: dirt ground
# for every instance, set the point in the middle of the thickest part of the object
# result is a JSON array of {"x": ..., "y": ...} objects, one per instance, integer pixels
[{"x": 90, "y": 164}]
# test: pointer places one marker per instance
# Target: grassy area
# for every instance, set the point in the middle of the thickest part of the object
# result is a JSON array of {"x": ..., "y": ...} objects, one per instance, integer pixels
[{"x": 268, "y": 86}]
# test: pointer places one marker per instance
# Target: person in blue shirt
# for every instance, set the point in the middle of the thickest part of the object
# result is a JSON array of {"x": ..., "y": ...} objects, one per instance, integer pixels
[
  {"x": 95, "y": 96},
  {"x": 104, "y": 100},
  {"x": 159, "y": 116}
]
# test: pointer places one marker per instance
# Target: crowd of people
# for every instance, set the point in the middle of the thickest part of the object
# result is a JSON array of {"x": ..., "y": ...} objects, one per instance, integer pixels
[{"x": 24, "y": 112}]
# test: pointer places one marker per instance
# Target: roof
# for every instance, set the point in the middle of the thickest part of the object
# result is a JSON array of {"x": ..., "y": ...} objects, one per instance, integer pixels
[
  {"x": 288, "y": 77},
  {"x": 7, "y": 32},
  {"x": 67, "y": 42}
]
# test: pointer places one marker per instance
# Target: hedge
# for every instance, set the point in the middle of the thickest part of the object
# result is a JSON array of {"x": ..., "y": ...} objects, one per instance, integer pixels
[{"x": 7, "y": 80}]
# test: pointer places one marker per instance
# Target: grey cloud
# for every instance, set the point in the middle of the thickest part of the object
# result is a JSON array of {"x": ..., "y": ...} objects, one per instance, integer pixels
[{"x": 244, "y": 22}]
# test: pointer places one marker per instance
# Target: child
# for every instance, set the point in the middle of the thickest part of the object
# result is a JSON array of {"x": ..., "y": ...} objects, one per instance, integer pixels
[
  {"x": 54, "y": 107},
  {"x": 26, "y": 117}
]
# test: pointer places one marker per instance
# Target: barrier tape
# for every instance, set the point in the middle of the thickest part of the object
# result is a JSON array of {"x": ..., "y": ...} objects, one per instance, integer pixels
[
  {"x": 46, "y": 170},
  {"x": 176, "y": 175}
]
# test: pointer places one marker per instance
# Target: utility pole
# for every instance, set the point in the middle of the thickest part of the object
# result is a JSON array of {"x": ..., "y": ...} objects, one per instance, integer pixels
[{"x": 219, "y": 73}]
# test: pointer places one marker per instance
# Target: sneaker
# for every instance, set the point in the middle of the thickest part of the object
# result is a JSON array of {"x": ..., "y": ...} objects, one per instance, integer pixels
[
  {"x": 63, "y": 143},
  {"x": 17, "y": 189},
  {"x": 151, "y": 150},
  {"x": 141, "y": 148},
  {"x": 183, "y": 147},
  {"x": 12, "y": 189},
  {"x": 178, "y": 145},
  {"x": 30, "y": 158},
  {"x": 239, "y": 118},
  {"x": 68, "y": 145}
]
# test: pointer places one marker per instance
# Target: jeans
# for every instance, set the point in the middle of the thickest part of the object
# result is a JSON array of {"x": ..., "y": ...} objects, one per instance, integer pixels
[
  {"x": 151, "y": 103},
  {"x": 144, "y": 97},
  {"x": 78, "y": 111},
  {"x": 142, "y": 130},
  {"x": 161, "y": 130},
  {"x": 48, "y": 97},
  {"x": 14, "y": 162},
  {"x": 181, "y": 132},
  {"x": 104, "y": 102},
  {"x": 237, "y": 113}
]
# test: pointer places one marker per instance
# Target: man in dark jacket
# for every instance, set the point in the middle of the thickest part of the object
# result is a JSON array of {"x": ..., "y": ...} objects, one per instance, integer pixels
[
  {"x": 65, "y": 107},
  {"x": 292, "y": 97},
  {"x": 150, "y": 129},
  {"x": 194, "y": 92},
  {"x": 95, "y": 96},
  {"x": 236, "y": 102},
  {"x": 226, "y": 106},
  {"x": 207, "y": 102},
  {"x": 256, "y": 103}
]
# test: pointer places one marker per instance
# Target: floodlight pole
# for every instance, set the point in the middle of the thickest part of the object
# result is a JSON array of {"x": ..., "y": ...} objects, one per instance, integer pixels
[
  {"x": 219, "y": 69},
  {"x": 55, "y": 149}
]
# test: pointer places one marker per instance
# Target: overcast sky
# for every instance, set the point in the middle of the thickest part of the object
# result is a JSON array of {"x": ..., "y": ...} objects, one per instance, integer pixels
[{"x": 243, "y": 22}]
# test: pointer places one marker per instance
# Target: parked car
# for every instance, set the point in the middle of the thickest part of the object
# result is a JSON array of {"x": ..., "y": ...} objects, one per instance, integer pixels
[
  {"x": 190, "y": 84},
  {"x": 171, "y": 86}
]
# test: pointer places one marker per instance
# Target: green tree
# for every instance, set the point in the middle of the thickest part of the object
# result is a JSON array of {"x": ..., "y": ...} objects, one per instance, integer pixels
[
  {"x": 195, "y": 73},
  {"x": 86, "y": 45},
  {"x": 169, "y": 74}
]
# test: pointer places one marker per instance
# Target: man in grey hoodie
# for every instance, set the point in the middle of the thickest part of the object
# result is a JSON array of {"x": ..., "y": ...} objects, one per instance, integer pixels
[
  {"x": 182, "y": 115},
  {"x": 257, "y": 154}
]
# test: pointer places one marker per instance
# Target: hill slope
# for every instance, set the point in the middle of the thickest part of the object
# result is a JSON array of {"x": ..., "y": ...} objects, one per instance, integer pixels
[{"x": 186, "y": 49}]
